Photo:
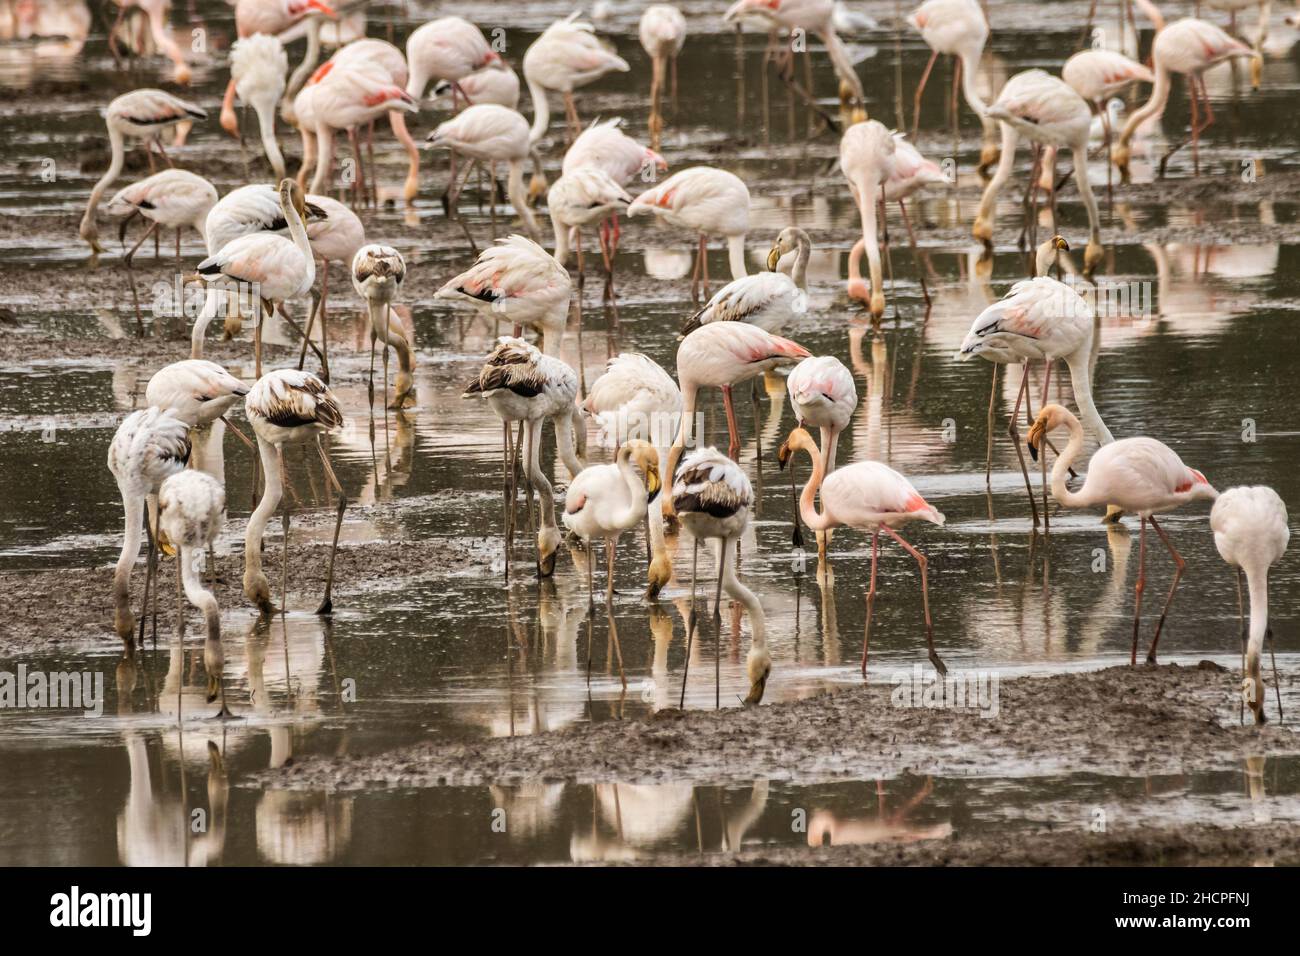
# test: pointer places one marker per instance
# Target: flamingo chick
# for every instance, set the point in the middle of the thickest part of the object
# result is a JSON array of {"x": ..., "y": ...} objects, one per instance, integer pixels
[{"x": 377, "y": 275}]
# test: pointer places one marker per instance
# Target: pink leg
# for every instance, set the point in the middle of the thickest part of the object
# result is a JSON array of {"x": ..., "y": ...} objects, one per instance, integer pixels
[
  {"x": 1138, "y": 589},
  {"x": 925, "y": 599},
  {"x": 733, "y": 432},
  {"x": 871, "y": 598},
  {"x": 1179, "y": 566}
]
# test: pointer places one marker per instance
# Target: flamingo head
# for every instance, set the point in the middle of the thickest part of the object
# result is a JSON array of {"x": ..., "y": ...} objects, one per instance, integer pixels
[
  {"x": 798, "y": 439},
  {"x": 758, "y": 666},
  {"x": 646, "y": 457},
  {"x": 790, "y": 239},
  {"x": 858, "y": 289},
  {"x": 213, "y": 662},
  {"x": 1050, "y": 416},
  {"x": 877, "y": 304},
  {"x": 291, "y": 196},
  {"x": 1120, "y": 154},
  {"x": 989, "y": 153},
  {"x": 658, "y": 575}
]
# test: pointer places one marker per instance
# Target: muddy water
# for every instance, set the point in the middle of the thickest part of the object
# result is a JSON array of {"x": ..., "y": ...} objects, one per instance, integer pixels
[{"x": 447, "y": 651}]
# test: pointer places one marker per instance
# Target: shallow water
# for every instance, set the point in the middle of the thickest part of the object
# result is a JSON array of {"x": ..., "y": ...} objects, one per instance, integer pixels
[{"x": 448, "y": 653}]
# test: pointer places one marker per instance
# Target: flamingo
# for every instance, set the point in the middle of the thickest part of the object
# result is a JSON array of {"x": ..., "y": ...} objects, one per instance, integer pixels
[
  {"x": 1050, "y": 113},
  {"x": 636, "y": 398},
  {"x": 709, "y": 202},
  {"x": 335, "y": 234},
  {"x": 149, "y": 447},
  {"x": 287, "y": 407},
  {"x": 911, "y": 173},
  {"x": 377, "y": 275},
  {"x": 824, "y": 396},
  {"x": 518, "y": 281},
  {"x": 867, "y": 159},
  {"x": 869, "y": 496},
  {"x": 769, "y": 300},
  {"x": 241, "y": 212},
  {"x": 1251, "y": 533},
  {"x": 447, "y": 49},
  {"x": 172, "y": 199},
  {"x": 493, "y": 134},
  {"x": 810, "y": 16},
  {"x": 1040, "y": 318},
  {"x": 567, "y": 55},
  {"x": 578, "y": 199},
  {"x": 1140, "y": 475},
  {"x": 1097, "y": 75},
  {"x": 155, "y": 11},
  {"x": 662, "y": 31},
  {"x": 722, "y": 354},
  {"x": 603, "y": 501},
  {"x": 278, "y": 268},
  {"x": 713, "y": 497},
  {"x": 196, "y": 391},
  {"x": 604, "y": 146},
  {"x": 1232, "y": 7},
  {"x": 258, "y": 68},
  {"x": 495, "y": 83},
  {"x": 141, "y": 114},
  {"x": 274, "y": 18},
  {"x": 1190, "y": 47},
  {"x": 956, "y": 28},
  {"x": 191, "y": 512},
  {"x": 523, "y": 385}
]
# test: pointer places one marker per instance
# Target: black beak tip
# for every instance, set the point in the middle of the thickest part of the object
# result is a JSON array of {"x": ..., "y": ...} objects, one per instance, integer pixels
[{"x": 1033, "y": 451}]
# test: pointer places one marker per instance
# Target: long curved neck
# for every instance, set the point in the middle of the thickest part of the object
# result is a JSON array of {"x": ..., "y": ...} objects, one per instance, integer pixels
[
  {"x": 198, "y": 595},
  {"x": 397, "y": 121},
  {"x": 808, "y": 500},
  {"x": 211, "y": 305},
  {"x": 635, "y": 489},
  {"x": 324, "y": 156},
  {"x": 1080, "y": 154},
  {"x": 1060, "y": 492},
  {"x": 800, "y": 272},
  {"x": 541, "y": 111},
  {"x": 519, "y": 197},
  {"x": 1152, "y": 107},
  {"x": 266, "y": 128},
  {"x": 298, "y": 232},
  {"x": 561, "y": 253},
  {"x": 134, "y": 513},
  {"x": 309, "y": 59},
  {"x": 736, "y": 256},
  {"x": 1006, "y": 162},
  {"x": 564, "y": 423},
  {"x": 970, "y": 64},
  {"x": 114, "y": 170},
  {"x": 738, "y": 591},
  {"x": 842, "y": 62},
  {"x": 867, "y": 189},
  {"x": 1151, "y": 12},
  {"x": 271, "y": 494},
  {"x": 538, "y": 477},
  {"x": 1081, "y": 383}
]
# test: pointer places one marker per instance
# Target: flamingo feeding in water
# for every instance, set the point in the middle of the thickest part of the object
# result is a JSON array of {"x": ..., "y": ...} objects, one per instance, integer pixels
[
  {"x": 956, "y": 28},
  {"x": 377, "y": 275},
  {"x": 149, "y": 447},
  {"x": 191, "y": 512},
  {"x": 708, "y": 202},
  {"x": 287, "y": 407},
  {"x": 140, "y": 114},
  {"x": 1251, "y": 534},
  {"x": 869, "y": 496},
  {"x": 447, "y": 49},
  {"x": 1139, "y": 475},
  {"x": 867, "y": 159},
  {"x": 713, "y": 497},
  {"x": 259, "y": 68},
  {"x": 823, "y": 396},
  {"x": 578, "y": 199},
  {"x": 662, "y": 31}
]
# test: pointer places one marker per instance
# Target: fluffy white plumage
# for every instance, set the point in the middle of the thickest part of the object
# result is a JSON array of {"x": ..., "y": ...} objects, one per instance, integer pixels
[
  {"x": 196, "y": 391},
  {"x": 662, "y": 30},
  {"x": 605, "y": 146},
  {"x": 822, "y": 392},
  {"x": 172, "y": 198},
  {"x": 290, "y": 405},
  {"x": 769, "y": 300},
  {"x": 148, "y": 447},
  {"x": 448, "y": 48},
  {"x": 191, "y": 505}
]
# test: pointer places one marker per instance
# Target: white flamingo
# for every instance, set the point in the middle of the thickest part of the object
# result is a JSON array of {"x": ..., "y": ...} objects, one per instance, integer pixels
[
  {"x": 191, "y": 512},
  {"x": 196, "y": 391},
  {"x": 287, "y": 407},
  {"x": 566, "y": 56},
  {"x": 603, "y": 145},
  {"x": 578, "y": 199},
  {"x": 447, "y": 49},
  {"x": 770, "y": 300},
  {"x": 1251, "y": 533},
  {"x": 867, "y": 159},
  {"x": 662, "y": 31},
  {"x": 377, "y": 275},
  {"x": 335, "y": 234},
  {"x": 956, "y": 28},
  {"x": 149, "y": 446},
  {"x": 809, "y": 16},
  {"x": 259, "y": 68},
  {"x": 708, "y": 202},
  {"x": 140, "y": 114},
  {"x": 1139, "y": 475},
  {"x": 713, "y": 498}
]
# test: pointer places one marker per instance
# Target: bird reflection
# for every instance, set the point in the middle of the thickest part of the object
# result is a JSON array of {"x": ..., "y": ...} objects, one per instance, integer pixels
[{"x": 826, "y": 828}]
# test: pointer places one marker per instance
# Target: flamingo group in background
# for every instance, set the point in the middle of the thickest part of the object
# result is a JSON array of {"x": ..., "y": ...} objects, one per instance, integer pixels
[{"x": 662, "y": 31}]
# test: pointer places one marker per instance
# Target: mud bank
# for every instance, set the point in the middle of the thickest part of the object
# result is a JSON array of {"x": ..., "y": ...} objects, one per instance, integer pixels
[{"x": 1119, "y": 721}]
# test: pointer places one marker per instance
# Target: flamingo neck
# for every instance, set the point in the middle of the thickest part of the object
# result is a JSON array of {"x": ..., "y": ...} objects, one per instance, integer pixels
[
  {"x": 518, "y": 196},
  {"x": 266, "y": 129},
  {"x": 271, "y": 495},
  {"x": 635, "y": 489},
  {"x": 1152, "y": 13},
  {"x": 867, "y": 212},
  {"x": 564, "y": 439},
  {"x": 133, "y": 508},
  {"x": 732, "y": 585},
  {"x": 1060, "y": 492},
  {"x": 970, "y": 64},
  {"x": 1152, "y": 107},
  {"x": 800, "y": 272},
  {"x": 1081, "y": 383},
  {"x": 309, "y": 59},
  {"x": 736, "y": 255},
  {"x": 541, "y": 111},
  {"x": 198, "y": 595},
  {"x": 298, "y": 232},
  {"x": 561, "y": 254},
  {"x": 808, "y": 500}
]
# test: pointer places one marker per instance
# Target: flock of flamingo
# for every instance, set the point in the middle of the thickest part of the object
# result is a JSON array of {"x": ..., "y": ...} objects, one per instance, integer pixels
[{"x": 274, "y": 238}]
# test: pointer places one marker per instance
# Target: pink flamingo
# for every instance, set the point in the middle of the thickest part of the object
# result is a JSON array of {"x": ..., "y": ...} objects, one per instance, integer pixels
[
  {"x": 1140, "y": 475},
  {"x": 869, "y": 496},
  {"x": 867, "y": 159}
]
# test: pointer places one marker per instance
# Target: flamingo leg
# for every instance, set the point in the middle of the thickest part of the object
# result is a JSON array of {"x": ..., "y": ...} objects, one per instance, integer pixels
[
  {"x": 871, "y": 599},
  {"x": 1139, "y": 587},
  {"x": 988, "y": 461},
  {"x": 1014, "y": 432},
  {"x": 916, "y": 253},
  {"x": 733, "y": 432},
  {"x": 130, "y": 275},
  {"x": 1241, "y": 627},
  {"x": 1179, "y": 566},
  {"x": 695, "y": 272},
  {"x": 724, "y": 545},
  {"x": 505, "y": 482},
  {"x": 916, "y": 102},
  {"x": 327, "y": 605},
  {"x": 922, "y": 563},
  {"x": 690, "y": 623}
]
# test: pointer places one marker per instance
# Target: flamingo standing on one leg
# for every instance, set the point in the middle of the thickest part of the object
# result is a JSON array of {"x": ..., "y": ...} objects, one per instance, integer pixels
[
  {"x": 708, "y": 202},
  {"x": 287, "y": 407},
  {"x": 636, "y": 398},
  {"x": 1251, "y": 533},
  {"x": 171, "y": 199},
  {"x": 1048, "y": 112},
  {"x": 149, "y": 446},
  {"x": 869, "y": 496},
  {"x": 377, "y": 275},
  {"x": 141, "y": 114},
  {"x": 824, "y": 396},
  {"x": 713, "y": 498},
  {"x": 721, "y": 354},
  {"x": 1039, "y": 319},
  {"x": 258, "y": 68},
  {"x": 191, "y": 510},
  {"x": 519, "y": 282},
  {"x": 662, "y": 31},
  {"x": 523, "y": 385},
  {"x": 867, "y": 159},
  {"x": 566, "y": 56},
  {"x": 1189, "y": 47},
  {"x": 1140, "y": 475}
]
